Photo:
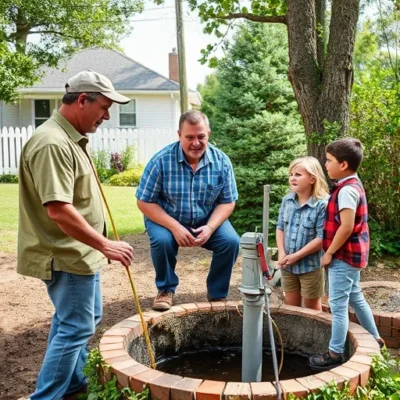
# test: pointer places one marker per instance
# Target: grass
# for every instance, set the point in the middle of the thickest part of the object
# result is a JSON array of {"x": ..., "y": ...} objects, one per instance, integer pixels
[
  {"x": 8, "y": 217},
  {"x": 127, "y": 217}
]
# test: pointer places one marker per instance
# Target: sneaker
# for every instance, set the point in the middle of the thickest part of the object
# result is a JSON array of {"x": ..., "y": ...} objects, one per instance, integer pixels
[
  {"x": 163, "y": 301},
  {"x": 323, "y": 362},
  {"x": 76, "y": 395},
  {"x": 381, "y": 343}
]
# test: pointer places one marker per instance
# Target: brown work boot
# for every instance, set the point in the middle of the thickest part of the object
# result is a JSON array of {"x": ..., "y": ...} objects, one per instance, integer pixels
[{"x": 163, "y": 301}]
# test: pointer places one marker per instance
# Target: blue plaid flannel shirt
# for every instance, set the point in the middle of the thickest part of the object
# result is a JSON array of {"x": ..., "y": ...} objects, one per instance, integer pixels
[
  {"x": 302, "y": 224},
  {"x": 186, "y": 195}
]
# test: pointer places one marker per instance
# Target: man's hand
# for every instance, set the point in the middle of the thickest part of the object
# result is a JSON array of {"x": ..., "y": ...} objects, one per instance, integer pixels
[
  {"x": 118, "y": 251},
  {"x": 288, "y": 260},
  {"x": 183, "y": 237},
  {"x": 204, "y": 233},
  {"x": 326, "y": 260}
]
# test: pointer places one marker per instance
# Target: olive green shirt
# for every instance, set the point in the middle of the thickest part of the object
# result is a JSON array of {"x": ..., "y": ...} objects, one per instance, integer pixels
[{"x": 55, "y": 166}]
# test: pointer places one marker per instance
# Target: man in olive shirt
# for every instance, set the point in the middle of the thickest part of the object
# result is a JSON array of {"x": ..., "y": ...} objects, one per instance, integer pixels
[{"x": 61, "y": 237}]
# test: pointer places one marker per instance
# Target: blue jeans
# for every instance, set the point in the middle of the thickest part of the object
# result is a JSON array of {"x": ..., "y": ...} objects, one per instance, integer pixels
[
  {"x": 224, "y": 243},
  {"x": 344, "y": 289},
  {"x": 78, "y": 309}
]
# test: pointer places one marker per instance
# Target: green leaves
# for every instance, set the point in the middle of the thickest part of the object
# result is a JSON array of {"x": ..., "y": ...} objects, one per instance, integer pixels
[
  {"x": 218, "y": 13},
  {"x": 328, "y": 392},
  {"x": 16, "y": 69},
  {"x": 99, "y": 389},
  {"x": 375, "y": 119},
  {"x": 254, "y": 119}
]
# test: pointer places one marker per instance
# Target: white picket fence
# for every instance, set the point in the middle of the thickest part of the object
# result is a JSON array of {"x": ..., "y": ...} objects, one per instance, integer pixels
[{"x": 146, "y": 141}]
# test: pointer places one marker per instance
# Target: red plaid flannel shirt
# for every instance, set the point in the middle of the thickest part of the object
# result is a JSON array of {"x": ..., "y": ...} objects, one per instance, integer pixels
[{"x": 356, "y": 249}]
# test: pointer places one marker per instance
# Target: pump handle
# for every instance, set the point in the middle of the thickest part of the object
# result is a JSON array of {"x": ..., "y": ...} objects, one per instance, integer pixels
[{"x": 263, "y": 261}]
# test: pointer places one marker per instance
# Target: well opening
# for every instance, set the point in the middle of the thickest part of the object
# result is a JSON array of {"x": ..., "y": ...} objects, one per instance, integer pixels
[
  {"x": 186, "y": 332},
  {"x": 197, "y": 339}
]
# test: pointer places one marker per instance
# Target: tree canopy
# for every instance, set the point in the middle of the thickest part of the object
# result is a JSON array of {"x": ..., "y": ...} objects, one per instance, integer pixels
[
  {"x": 254, "y": 118},
  {"x": 41, "y": 33}
]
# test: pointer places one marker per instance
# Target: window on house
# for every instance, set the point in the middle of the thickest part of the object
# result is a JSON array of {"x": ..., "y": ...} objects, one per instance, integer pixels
[
  {"x": 127, "y": 114},
  {"x": 42, "y": 111}
]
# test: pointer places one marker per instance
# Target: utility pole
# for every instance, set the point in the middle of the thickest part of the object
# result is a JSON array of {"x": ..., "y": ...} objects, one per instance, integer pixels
[{"x": 181, "y": 57}]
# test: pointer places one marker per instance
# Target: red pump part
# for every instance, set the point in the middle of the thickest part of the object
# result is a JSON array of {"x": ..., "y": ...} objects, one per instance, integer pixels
[{"x": 263, "y": 261}]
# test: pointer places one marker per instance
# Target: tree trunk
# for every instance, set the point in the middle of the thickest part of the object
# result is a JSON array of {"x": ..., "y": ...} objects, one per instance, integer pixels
[
  {"x": 320, "y": 12},
  {"x": 322, "y": 91},
  {"x": 22, "y": 31}
]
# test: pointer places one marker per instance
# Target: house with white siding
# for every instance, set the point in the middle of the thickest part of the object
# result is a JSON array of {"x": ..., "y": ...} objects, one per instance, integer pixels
[{"x": 155, "y": 98}]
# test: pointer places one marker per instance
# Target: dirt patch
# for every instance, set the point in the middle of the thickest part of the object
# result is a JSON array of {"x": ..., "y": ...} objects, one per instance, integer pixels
[
  {"x": 25, "y": 310},
  {"x": 383, "y": 298},
  {"x": 381, "y": 272}
]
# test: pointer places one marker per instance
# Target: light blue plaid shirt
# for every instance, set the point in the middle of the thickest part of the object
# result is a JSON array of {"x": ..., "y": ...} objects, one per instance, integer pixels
[
  {"x": 186, "y": 195},
  {"x": 302, "y": 224}
]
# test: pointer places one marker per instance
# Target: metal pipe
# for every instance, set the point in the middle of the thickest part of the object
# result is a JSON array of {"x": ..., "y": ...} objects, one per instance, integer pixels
[
  {"x": 267, "y": 290},
  {"x": 252, "y": 289},
  {"x": 267, "y": 191},
  {"x": 272, "y": 340},
  {"x": 252, "y": 338}
]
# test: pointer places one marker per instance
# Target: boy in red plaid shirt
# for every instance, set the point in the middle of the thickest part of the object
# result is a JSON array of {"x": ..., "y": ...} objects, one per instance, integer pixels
[{"x": 346, "y": 246}]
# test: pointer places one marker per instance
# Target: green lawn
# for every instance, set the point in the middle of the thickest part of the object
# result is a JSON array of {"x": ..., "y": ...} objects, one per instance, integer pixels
[{"x": 128, "y": 219}]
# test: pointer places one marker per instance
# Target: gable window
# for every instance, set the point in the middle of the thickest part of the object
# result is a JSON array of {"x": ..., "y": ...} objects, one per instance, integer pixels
[
  {"x": 127, "y": 114},
  {"x": 42, "y": 111}
]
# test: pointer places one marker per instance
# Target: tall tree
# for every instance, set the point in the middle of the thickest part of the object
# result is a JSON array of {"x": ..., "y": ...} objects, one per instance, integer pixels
[
  {"x": 254, "y": 118},
  {"x": 320, "y": 59},
  {"x": 41, "y": 33}
]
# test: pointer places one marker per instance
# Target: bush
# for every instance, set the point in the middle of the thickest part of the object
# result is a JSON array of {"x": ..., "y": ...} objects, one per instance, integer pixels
[
  {"x": 375, "y": 121},
  {"x": 383, "y": 241},
  {"x": 261, "y": 149},
  {"x": 127, "y": 178},
  {"x": 8, "y": 178},
  {"x": 98, "y": 388},
  {"x": 128, "y": 158},
  {"x": 100, "y": 161},
  {"x": 116, "y": 162}
]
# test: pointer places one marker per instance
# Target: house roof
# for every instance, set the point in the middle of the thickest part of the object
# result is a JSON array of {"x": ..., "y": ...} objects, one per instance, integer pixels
[{"x": 125, "y": 73}]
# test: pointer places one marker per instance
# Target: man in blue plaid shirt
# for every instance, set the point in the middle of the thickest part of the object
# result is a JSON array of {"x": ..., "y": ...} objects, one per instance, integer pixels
[{"x": 187, "y": 193}]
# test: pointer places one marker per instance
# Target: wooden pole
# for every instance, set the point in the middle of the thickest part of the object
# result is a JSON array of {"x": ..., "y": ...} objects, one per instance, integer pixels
[
  {"x": 267, "y": 191},
  {"x": 184, "y": 98}
]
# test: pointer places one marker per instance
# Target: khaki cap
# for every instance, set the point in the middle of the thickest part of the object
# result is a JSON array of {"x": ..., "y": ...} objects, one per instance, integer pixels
[{"x": 91, "y": 81}]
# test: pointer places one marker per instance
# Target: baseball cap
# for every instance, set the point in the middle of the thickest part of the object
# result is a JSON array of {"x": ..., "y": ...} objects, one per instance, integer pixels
[{"x": 91, "y": 81}]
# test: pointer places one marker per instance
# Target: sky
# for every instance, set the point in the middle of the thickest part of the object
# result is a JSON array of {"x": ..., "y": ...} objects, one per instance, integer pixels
[{"x": 154, "y": 35}]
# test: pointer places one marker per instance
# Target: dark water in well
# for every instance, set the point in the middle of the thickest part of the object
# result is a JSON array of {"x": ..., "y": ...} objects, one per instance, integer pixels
[{"x": 225, "y": 364}]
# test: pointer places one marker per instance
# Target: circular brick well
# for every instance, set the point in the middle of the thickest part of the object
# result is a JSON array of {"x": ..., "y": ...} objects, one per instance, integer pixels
[{"x": 207, "y": 324}]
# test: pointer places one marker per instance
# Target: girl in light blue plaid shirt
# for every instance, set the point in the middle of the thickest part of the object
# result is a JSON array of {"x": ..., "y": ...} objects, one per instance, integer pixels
[{"x": 299, "y": 234}]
